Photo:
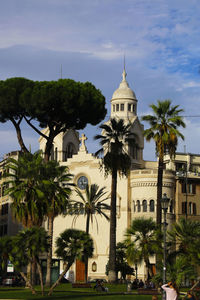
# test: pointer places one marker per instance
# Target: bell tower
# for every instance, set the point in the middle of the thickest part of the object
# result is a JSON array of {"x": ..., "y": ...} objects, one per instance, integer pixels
[
  {"x": 124, "y": 102},
  {"x": 124, "y": 106}
]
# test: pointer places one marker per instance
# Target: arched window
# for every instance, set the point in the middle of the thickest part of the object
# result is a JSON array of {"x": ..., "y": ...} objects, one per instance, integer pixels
[
  {"x": 56, "y": 153},
  {"x": 81, "y": 209},
  {"x": 138, "y": 206},
  {"x": 122, "y": 107},
  {"x": 190, "y": 208},
  {"x": 144, "y": 205},
  {"x": 194, "y": 209},
  {"x": 151, "y": 206},
  {"x": 171, "y": 206},
  {"x": 70, "y": 150},
  {"x": 129, "y": 107},
  {"x": 133, "y": 206}
]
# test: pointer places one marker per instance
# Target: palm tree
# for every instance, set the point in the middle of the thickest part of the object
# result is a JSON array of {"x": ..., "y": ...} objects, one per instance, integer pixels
[
  {"x": 114, "y": 135},
  {"x": 72, "y": 244},
  {"x": 185, "y": 237},
  {"x": 38, "y": 189},
  {"x": 121, "y": 261},
  {"x": 91, "y": 204},
  {"x": 141, "y": 241},
  {"x": 56, "y": 189},
  {"x": 5, "y": 248},
  {"x": 28, "y": 206},
  {"x": 180, "y": 269},
  {"x": 164, "y": 121},
  {"x": 24, "y": 176},
  {"x": 27, "y": 245}
]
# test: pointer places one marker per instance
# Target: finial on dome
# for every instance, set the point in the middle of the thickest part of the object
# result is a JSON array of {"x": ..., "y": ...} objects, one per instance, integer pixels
[{"x": 124, "y": 71}]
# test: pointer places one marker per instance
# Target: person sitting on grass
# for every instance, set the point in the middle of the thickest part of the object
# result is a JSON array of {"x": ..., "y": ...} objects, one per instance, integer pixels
[
  {"x": 190, "y": 296},
  {"x": 100, "y": 287}
]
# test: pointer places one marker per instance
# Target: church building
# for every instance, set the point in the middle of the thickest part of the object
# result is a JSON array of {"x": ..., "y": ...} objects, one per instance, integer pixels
[{"x": 136, "y": 194}]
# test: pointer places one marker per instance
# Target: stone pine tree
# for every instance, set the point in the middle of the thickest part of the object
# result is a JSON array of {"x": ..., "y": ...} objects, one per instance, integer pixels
[{"x": 55, "y": 105}]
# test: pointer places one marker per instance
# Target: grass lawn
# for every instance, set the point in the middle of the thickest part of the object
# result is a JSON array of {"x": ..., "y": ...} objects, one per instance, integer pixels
[{"x": 65, "y": 291}]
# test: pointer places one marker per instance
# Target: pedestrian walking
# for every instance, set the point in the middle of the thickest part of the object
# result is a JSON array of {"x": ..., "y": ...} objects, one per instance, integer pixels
[{"x": 171, "y": 291}]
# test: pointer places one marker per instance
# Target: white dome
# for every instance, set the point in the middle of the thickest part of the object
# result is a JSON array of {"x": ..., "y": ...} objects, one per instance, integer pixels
[{"x": 123, "y": 91}]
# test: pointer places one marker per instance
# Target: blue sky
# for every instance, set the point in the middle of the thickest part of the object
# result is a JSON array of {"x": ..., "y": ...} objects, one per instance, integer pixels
[{"x": 160, "y": 40}]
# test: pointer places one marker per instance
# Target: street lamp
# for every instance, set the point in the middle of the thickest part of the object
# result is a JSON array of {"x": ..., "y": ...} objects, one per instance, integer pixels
[
  {"x": 136, "y": 270},
  {"x": 164, "y": 205}
]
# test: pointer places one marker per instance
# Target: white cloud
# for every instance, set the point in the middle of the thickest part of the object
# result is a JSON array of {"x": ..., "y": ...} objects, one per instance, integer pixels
[{"x": 189, "y": 84}]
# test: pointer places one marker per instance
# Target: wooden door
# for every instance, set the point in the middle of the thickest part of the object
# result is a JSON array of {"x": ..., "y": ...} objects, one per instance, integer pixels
[{"x": 80, "y": 271}]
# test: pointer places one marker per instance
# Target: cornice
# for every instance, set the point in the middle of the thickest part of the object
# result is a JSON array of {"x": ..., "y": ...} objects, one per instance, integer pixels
[{"x": 148, "y": 184}]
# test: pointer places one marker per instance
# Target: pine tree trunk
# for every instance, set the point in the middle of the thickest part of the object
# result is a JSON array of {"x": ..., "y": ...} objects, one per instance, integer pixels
[
  {"x": 19, "y": 137},
  {"x": 49, "y": 254},
  {"x": 112, "y": 250}
]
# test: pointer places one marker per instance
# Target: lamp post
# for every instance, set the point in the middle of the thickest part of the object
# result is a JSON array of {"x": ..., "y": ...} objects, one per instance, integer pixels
[
  {"x": 136, "y": 270},
  {"x": 164, "y": 205}
]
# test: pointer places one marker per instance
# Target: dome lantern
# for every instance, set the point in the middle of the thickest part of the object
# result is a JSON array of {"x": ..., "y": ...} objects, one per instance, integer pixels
[{"x": 123, "y": 102}]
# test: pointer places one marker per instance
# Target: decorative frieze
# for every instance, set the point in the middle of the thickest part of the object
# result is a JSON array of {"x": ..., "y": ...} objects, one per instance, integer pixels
[{"x": 150, "y": 184}]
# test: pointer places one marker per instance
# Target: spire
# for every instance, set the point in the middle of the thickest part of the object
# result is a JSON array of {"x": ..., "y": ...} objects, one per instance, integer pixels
[{"x": 124, "y": 71}]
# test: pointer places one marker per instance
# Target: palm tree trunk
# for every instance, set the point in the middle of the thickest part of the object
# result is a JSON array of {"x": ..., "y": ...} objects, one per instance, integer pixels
[
  {"x": 159, "y": 211},
  {"x": 33, "y": 272},
  {"x": 29, "y": 273},
  {"x": 49, "y": 254},
  {"x": 28, "y": 283},
  {"x": 159, "y": 191},
  {"x": 86, "y": 258},
  {"x": 40, "y": 275},
  {"x": 149, "y": 269},
  {"x": 59, "y": 278},
  {"x": 112, "y": 250}
]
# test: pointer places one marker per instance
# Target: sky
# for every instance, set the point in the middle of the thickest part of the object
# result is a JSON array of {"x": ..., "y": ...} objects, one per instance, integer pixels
[{"x": 89, "y": 38}]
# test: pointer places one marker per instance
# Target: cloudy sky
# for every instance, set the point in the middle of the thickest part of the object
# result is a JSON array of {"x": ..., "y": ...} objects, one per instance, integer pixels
[{"x": 160, "y": 40}]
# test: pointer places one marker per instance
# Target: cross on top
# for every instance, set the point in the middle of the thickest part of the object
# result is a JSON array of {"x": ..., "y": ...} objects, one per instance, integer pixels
[{"x": 83, "y": 138}]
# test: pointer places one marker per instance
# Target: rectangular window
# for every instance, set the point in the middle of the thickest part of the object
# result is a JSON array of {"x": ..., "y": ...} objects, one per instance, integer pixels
[
  {"x": 180, "y": 167},
  {"x": 4, "y": 209},
  {"x": 122, "y": 107},
  {"x": 191, "y": 188},
  {"x": 4, "y": 188},
  {"x": 114, "y": 108},
  {"x": 129, "y": 107},
  {"x": 3, "y": 229},
  {"x": 117, "y": 107}
]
